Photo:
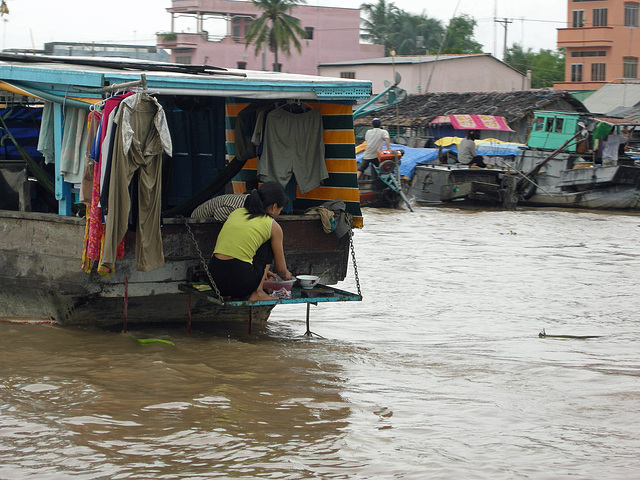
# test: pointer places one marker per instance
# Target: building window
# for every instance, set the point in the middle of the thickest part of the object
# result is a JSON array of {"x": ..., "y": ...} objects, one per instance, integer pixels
[
  {"x": 577, "y": 18},
  {"x": 630, "y": 67},
  {"x": 309, "y": 33},
  {"x": 589, "y": 53},
  {"x": 242, "y": 65},
  {"x": 576, "y": 72},
  {"x": 347, "y": 74},
  {"x": 538, "y": 125},
  {"x": 599, "y": 17},
  {"x": 630, "y": 14},
  {"x": 598, "y": 72},
  {"x": 185, "y": 59},
  {"x": 239, "y": 27},
  {"x": 549, "y": 125}
]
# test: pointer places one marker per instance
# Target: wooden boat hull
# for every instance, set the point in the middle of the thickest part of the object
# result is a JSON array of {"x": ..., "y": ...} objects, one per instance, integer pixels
[
  {"x": 436, "y": 184},
  {"x": 609, "y": 187},
  {"x": 374, "y": 193},
  {"x": 42, "y": 278},
  {"x": 615, "y": 197},
  {"x": 560, "y": 184}
]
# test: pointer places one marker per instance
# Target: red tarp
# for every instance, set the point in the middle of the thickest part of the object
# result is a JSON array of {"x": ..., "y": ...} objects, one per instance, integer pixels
[{"x": 473, "y": 122}]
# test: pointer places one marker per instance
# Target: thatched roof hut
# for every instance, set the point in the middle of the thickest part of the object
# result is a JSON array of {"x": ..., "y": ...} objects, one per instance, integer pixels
[{"x": 411, "y": 117}]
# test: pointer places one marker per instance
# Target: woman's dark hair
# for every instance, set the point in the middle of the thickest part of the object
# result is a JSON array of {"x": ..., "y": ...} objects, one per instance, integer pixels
[{"x": 268, "y": 194}]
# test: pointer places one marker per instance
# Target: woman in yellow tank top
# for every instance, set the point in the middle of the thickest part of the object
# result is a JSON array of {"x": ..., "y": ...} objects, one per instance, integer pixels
[{"x": 249, "y": 242}]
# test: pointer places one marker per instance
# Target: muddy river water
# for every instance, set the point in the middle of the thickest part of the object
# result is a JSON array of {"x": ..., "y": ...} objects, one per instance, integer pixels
[{"x": 438, "y": 373}]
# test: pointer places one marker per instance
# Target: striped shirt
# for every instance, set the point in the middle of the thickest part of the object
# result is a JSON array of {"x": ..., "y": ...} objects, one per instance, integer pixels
[{"x": 220, "y": 207}]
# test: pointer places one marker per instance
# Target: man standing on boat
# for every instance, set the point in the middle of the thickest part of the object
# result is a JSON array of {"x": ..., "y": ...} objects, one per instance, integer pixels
[{"x": 375, "y": 140}]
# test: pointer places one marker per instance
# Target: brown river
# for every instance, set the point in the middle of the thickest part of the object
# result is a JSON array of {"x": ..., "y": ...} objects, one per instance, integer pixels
[{"x": 438, "y": 373}]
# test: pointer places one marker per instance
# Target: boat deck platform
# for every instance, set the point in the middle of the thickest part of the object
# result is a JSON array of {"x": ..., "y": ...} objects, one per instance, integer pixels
[{"x": 318, "y": 294}]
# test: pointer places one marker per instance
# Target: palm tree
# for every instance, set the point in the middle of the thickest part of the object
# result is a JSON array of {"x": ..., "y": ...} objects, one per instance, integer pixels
[
  {"x": 406, "y": 30},
  {"x": 275, "y": 28},
  {"x": 377, "y": 22}
]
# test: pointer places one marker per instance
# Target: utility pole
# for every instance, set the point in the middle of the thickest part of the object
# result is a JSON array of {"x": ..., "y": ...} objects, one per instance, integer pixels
[
  {"x": 504, "y": 22},
  {"x": 419, "y": 44},
  {"x": 495, "y": 31}
]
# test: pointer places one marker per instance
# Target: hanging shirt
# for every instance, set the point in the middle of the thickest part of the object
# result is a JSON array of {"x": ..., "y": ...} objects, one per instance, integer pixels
[
  {"x": 93, "y": 121},
  {"x": 74, "y": 141},
  {"x": 45, "y": 140},
  {"x": 610, "y": 146},
  {"x": 293, "y": 145}
]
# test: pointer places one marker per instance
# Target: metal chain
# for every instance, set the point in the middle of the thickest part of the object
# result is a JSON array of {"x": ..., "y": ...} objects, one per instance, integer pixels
[
  {"x": 204, "y": 263},
  {"x": 353, "y": 259}
]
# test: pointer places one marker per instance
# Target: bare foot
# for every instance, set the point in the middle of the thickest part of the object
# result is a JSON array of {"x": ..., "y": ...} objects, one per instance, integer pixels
[{"x": 259, "y": 295}]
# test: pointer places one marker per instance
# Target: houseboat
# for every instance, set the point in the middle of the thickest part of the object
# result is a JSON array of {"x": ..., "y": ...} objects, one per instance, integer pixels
[
  {"x": 203, "y": 118},
  {"x": 562, "y": 165},
  {"x": 444, "y": 180},
  {"x": 567, "y": 163}
]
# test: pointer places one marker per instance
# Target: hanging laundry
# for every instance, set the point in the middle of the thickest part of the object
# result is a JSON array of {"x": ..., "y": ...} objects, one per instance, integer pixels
[
  {"x": 46, "y": 144},
  {"x": 95, "y": 229},
  {"x": 93, "y": 121},
  {"x": 245, "y": 123},
  {"x": 74, "y": 141},
  {"x": 142, "y": 134},
  {"x": 293, "y": 145}
]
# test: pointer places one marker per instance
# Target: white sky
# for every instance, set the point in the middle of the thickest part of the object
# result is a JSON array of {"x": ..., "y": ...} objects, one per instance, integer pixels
[{"x": 31, "y": 23}]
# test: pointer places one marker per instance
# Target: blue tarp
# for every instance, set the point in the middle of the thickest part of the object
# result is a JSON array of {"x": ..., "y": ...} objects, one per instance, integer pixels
[
  {"x": 411, "y": 157},
  {"x": 415, "y": 156},
  {"x": 493, "y": 149},
  {"x": 24, "y": 124}
]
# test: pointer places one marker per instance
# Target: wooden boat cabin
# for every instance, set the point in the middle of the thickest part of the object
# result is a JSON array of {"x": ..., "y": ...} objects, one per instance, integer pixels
[{"x": 52, "y": 237}]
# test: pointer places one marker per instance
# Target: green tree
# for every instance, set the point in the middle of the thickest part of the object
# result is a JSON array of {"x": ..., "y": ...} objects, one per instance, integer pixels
[
  {"x": 384, "y": 24},
  {"x": 276, "y": 28},
  {"x": 459, "y": 36},
  {"x": 547, "y": 66},
  {"x": 415, "y": 34},
  {"x": 378, "y": 22}
]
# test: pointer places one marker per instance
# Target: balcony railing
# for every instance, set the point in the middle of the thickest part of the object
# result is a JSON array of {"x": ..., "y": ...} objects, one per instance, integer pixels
[{"x": 585, "y": 36}]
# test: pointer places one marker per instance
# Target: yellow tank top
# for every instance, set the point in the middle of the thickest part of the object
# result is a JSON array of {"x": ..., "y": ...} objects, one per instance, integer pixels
[{"x": 241, "y": 237}]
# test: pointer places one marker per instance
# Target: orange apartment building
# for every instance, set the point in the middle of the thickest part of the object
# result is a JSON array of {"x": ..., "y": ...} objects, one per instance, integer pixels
[{"x": 602, "y": 43}]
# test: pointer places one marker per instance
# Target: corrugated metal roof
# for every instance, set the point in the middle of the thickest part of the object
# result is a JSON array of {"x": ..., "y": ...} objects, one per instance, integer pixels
[
  {"x": 613, "y": 96},
  {"x": 630, "y": 114},
  {"x": 75, "y": 76},
  {"x": 401, "y": 60}
]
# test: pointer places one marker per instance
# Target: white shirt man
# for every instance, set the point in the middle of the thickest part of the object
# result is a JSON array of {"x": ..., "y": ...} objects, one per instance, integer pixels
[{"x": 375, "y": 139}]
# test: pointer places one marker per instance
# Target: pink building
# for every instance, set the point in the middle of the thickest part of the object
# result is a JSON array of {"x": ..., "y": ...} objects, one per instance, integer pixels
[
  {"x": 602, "y": 42},
  {"x": 333, "y": 35}
]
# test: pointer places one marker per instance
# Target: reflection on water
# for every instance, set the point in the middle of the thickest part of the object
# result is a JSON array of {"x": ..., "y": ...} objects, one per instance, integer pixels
[{"x": 438, "y": 373}]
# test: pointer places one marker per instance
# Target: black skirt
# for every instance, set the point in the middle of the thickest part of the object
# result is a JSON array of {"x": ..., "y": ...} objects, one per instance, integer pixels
[{"x": 237, "y": 279}]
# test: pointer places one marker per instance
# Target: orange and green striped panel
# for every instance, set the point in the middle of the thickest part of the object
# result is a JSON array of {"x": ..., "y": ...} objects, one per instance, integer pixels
[{"x": 340, "y": 158}]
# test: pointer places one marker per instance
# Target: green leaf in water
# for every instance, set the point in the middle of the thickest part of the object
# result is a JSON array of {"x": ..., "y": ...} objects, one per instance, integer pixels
[{"x": 146, "y": 341}]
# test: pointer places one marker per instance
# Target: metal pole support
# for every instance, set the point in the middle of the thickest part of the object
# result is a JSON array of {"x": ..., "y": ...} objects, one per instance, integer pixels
[{"x": 189, "y": 313}]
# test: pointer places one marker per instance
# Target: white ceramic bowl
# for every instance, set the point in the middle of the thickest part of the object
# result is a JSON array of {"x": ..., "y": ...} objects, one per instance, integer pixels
[{"x": 308, "y": 281}]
